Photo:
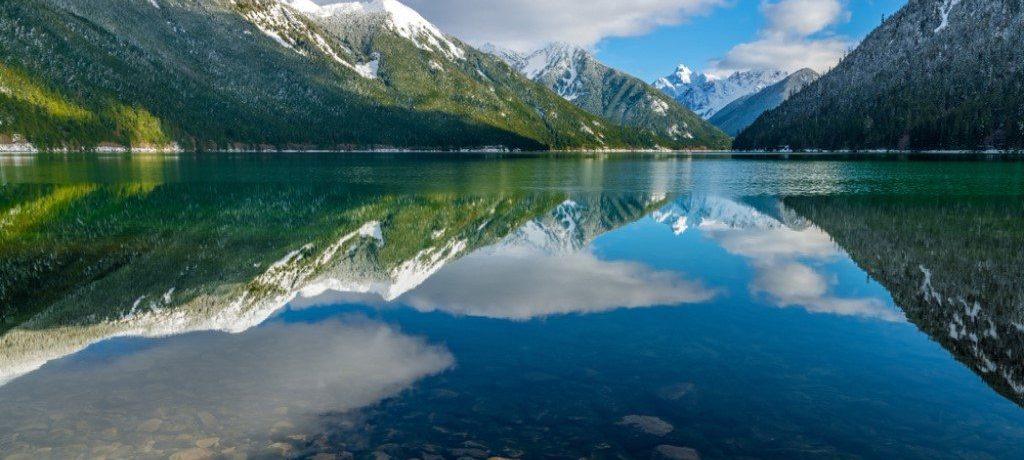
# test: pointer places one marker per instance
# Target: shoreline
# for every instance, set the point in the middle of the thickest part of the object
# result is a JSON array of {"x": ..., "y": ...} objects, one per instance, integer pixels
[{"x": 14, "y": 151}]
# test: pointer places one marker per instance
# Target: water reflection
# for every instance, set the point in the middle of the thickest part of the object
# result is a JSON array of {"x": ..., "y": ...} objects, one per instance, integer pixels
[
  {"x": 788, "y": 254},
  {"x": 204, "y": 394},
  {"x": 953, "y": 265},
  {"x": 278, "y": 319}
]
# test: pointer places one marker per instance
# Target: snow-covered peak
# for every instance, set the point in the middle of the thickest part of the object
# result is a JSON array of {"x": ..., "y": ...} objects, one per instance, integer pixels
[
  {"x": 706, "y": 94},
  {"x": 558, "y": 65},
  {"x": 554, "y": 58},
  {"x": 683, "y": 74},
  {"x": 400, "y": 18}
]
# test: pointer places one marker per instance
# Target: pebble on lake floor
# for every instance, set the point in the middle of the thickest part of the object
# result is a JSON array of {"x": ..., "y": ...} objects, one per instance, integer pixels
[
  {"x": 648, "y": 424},
  {"x": 676, "y": 392},
  {"x": 667, "y": 452}
]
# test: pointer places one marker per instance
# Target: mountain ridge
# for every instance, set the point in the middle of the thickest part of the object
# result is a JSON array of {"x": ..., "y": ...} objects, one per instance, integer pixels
[
  {"x": 268, "y": 74},
  {"x": 706, "y": 94},
  {"x": 742, "y": 112},
  {"x": 578, "y": 76}
]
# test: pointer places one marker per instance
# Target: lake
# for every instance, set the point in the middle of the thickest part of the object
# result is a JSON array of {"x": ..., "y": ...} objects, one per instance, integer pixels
[{"x": 398, "y": 306}]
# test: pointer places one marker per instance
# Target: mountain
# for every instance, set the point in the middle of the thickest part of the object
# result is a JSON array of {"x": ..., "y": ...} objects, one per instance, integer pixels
[
  {"x": 939, "y": 74},
  {"x": 576, "y": 75},
  {"x": 742, "y": 112},
  {"x": 707, "y": 94},
  {"x": 219, "y": 74}
]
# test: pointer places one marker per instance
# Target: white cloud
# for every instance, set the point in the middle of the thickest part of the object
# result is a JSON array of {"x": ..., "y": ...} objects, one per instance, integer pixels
[
  {"x": 529, "y": 24},
  {"x": 521, "y": 284},
  {"x": 797, "y": 35},
  {"x": 802, "y": 17}
]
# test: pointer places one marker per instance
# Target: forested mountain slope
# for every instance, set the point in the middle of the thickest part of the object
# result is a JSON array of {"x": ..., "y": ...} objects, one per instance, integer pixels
[
  {"x": 215, "y": 74},
  {"x": 939, "y": 74}
]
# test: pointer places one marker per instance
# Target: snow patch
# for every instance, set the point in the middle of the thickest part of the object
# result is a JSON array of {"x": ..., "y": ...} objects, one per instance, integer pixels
[
  {"x": 370, "y": 69},
  {"x": 403, "y": 20},
  {"x": 944, "y": 9},
  {"x": 372, "y": 230},
  {"x": 659, "y": 106}
]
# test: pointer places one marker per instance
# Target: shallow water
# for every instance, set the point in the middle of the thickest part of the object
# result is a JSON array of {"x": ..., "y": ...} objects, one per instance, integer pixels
[{"x": 526, "y": 306}]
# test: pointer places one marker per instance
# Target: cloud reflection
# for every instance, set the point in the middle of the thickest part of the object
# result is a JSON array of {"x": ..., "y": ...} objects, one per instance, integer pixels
[
  {"x": 783, "y": 257},
  {"x": 519, "y": 283},
  {"x": 241, "y": 389}
]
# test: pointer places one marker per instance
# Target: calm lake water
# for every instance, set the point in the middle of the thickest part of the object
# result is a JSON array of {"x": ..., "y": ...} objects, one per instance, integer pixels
[{"x": 476, "y": 306}]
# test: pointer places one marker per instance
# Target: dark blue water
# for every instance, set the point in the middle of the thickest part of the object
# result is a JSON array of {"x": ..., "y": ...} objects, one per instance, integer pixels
[{"x": 869, "y": 315}]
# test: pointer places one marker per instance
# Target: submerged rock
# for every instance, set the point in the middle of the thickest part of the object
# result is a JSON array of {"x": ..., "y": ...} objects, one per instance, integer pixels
[
  {"x": 151, "y": 425},
  {"x": 207, "y": 442},
  {"x": 676, "y": 392},
  {"x": 667, "y": 452},
  {"x": 195, "y": 453},
  {"x": 648, "y": 424}
]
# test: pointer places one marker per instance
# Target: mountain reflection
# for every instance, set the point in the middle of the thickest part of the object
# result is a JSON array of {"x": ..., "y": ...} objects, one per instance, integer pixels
[
  {"x": 953, "y": 265},
  {"x": 81, "y": 264}
]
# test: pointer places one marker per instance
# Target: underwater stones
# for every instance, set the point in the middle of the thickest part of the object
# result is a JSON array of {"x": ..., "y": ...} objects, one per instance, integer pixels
[
  {"x": 280, "y": 448},
  {"x": 648, "y": 424},
  {"x": 676, "y": 392},
  {"x": 667, "y": 452},
  {"x": 195, "y": 453},
  {"x": 469, "y": 452},
  {"x": 207, "y": 443},
  {"x": 207, "y": 419},
  {"x": 151, "y": 425}
]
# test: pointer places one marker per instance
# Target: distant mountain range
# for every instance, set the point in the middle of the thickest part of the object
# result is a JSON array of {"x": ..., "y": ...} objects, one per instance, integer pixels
[
  {"x": 234, "y": 74},
  {"x": 576, "y": 75},
  {"x": 939, "y": 74},
  {"x": 706, "y": 94},
  {"x": 742, "y": 112}
]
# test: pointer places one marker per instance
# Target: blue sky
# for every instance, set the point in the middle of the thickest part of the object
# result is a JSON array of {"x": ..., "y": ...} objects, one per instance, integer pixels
[
  {"x": 648, "y": 38},
  {"x": 708, "y": 37}
]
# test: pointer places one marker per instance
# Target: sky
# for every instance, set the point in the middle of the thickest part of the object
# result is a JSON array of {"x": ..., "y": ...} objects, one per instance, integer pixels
[{"x": 649, "y": 38}]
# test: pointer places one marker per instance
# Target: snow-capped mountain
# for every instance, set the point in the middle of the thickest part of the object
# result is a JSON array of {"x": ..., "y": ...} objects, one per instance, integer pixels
[
  {"x": 706, "y": 94},
  {"x": 396, "y": 16},
  {"x": 575, "y": 74},
  {"x": 221, "y": 74},
  {"x": 560, "y": 66},
  {"x": 742, "y": 112}
]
